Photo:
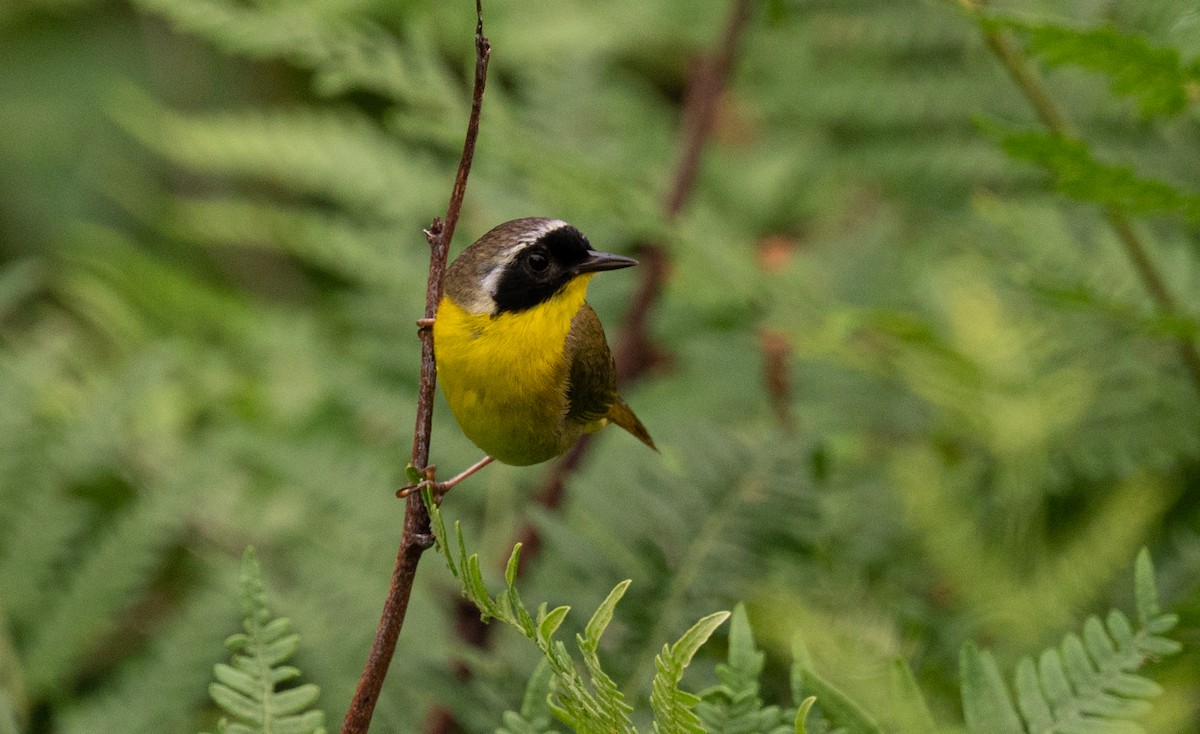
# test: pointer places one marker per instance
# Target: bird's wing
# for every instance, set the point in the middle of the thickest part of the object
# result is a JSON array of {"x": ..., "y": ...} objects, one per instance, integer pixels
[{"x": 592, "y": 375}]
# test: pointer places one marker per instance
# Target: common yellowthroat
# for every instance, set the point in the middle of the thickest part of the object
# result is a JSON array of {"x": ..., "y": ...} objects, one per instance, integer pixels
[{"x": 521, "y": 356}]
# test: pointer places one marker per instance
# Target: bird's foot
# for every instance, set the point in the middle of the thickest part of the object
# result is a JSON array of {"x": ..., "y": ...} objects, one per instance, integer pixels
[
  {"x": 424, "y": 325},
  {"x": 430, "y": 480}
]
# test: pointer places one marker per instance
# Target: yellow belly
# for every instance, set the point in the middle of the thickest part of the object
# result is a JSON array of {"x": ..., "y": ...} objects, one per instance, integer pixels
[{"x": 505, "y": 376}]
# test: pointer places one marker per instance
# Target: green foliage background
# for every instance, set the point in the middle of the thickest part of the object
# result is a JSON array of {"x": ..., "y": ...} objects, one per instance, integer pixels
[{"x": 211, "y": 259}]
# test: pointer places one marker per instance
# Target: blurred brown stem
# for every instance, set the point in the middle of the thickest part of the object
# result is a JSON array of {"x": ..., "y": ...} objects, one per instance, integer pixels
[
  {"x": 416, "y": 536},
  {"x": 1032, "y": 87},
  {"x": 636, "y": 353},
  {"x": 776, "y": 349},
  {"x": 700, "y": 107}
]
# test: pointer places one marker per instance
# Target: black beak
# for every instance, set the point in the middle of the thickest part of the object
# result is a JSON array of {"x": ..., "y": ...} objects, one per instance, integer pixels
[{"x": 597, "y": 261}]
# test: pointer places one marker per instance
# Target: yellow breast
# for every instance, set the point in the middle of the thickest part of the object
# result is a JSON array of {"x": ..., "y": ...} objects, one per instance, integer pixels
[{"x": 505, "y": 375}]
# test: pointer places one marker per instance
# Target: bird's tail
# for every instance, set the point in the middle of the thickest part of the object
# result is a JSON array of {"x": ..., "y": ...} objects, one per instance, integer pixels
[{"x": 621, "y": 414}]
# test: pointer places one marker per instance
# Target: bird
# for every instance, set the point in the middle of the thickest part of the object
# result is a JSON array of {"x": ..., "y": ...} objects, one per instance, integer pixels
[{"x": 521, "y": 357}]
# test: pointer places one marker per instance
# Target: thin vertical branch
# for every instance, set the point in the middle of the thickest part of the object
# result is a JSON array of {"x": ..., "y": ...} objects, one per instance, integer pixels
[
  {"x": 416, "y": 534},
  {"x": 1001, "y": 44}
]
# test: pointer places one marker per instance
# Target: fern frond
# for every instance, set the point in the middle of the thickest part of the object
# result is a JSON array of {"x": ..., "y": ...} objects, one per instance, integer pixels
[
  {"x": 894, "y": 30},
  {"x": 39, "y": 528},
  {"x": 600, "y": 709},
  {"x": 103, "y": 583},
  {"x": 612, "y": 708},
  {"x": 726, "y": 507},
  {"x": 158, "y": 690},
  {"x": 1004, "y": 593},
  {"x": 112, "y": 272},
  {"x": 673, "y": 708},
  {"x": 534, "y": 717},
  {"x": 1155, "y": 76},
  {"x": 1079, "y": 174},
  {"x": 1088, "y": 684},
  {"x": 596, "y": 706},
  {"x": 834, "y": 705},
  {"x": 911, "y": 707},
  {"x": 987, "y": 708},
  {"x": 735, "y": 704},
  {"x": 338, "y": 244},
  {"x": 340, "y": 155},
  {"x": 801, "y": 722},
  {"x": 931, "y": 97},
  {"x": 247, "y": 689},
  {"x": 292, "y": 30},
  {"x": 345, "y": 53}
]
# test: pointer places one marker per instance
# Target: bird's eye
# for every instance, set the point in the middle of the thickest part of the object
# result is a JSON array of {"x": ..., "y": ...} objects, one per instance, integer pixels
[{"x": 538, "y": 262}]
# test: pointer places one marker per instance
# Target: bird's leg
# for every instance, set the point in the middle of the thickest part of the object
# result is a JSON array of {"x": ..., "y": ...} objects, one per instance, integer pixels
[
  {"x": 424, "y": 325},
  {"x": 441, "y": 488}
]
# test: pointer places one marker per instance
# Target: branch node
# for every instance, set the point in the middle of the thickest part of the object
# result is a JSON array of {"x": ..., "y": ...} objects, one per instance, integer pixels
[
  {"x": 434, "y": 232},
  {"x": 424, "y": 541}
]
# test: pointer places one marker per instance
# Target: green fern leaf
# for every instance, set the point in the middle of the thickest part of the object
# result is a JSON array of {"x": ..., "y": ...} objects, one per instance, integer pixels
[
  {"x": 1145, "y": 595},
  {"x": 912, "y": 708},
  {"x": 1078, "y": 174},
  {"x": 1033, "y": 705},
  {"x": 246, "y": 689},
  {"x": 986, "y": 702},
  {"x": 534, "y": 717},
  {"x": 603, "y": 615},
  {"x": 608, "y": 704},
  {"x": 335, "y": 243},
  {"x": 102, "y": 582},
  {"x": 342, "y": 156},
  {"x": 735, "y": 704},
  {"x": 601, "y": 708},
  {"x": 802, "y": 714},
  {"x": 1087, "y": 684},
  {"x": 1155, "y": 76},
  {"x": 344, "y": 53},
  {"x": 550, "y": 622},
  {"x": 837, "y": 708},
  {"x": 673, "y": 708}
]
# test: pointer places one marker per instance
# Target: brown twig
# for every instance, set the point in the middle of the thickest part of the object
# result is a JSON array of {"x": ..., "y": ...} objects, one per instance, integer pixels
[
  {"x": 416, "y": 536},
  {"x": 636, "y": 353},
  {"x": 1034, "y": 90},
  {"x": 700, "y": 107}
]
